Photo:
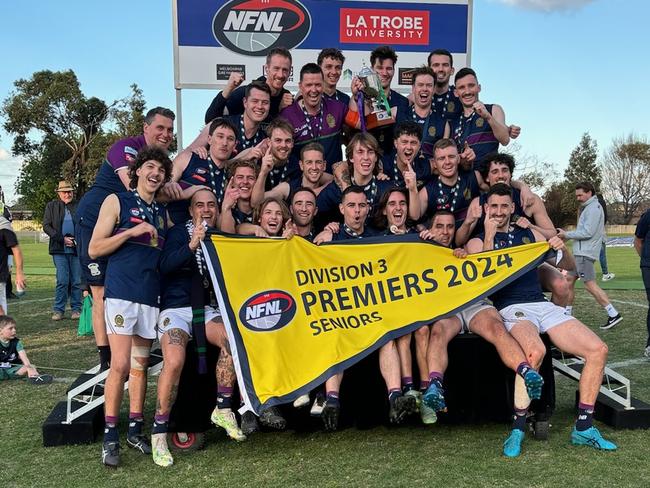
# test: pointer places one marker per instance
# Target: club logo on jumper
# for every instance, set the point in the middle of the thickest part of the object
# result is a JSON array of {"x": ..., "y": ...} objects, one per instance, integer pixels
[
  {"x": 266, "y": 311},
  {"x": 254, "y": 27}
]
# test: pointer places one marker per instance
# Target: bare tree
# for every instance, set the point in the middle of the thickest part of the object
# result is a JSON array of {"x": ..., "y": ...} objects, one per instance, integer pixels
[
  {"x": 535, "y": 172},
  {"x": 626, "y": 174}
]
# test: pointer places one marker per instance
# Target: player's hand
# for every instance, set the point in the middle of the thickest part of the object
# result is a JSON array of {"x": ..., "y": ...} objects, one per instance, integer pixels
[
  {"x": 258, "y": 152},
  {"x": 556, "y": 243},
  {"x": 230, "y": 196},
  {"x": 426, "y": 235},
  {"x": 523, "y": 222},
  {"x": 514, "y": 131},
  {"x": 474, "y": 211},
  {"x": 235, "y": 79},
  {"x": 267, "y": 162},
  {"x": 201, "y": 151},
  {"x": 561, "y": 233},
  {"x": 68, "y": 241},
  {"x": 356, "y": 86},
  {"x": 460, "y": 253},
  {"x": 198, "y": 234},
  {"x": 324, "y": 236},
  {"x": 410, "y": 178},
  {"x": 289, "y": 229},
  {"x": 333, "y": 227},
  {"x": 467, "y": 157},
  {"x": 481, "y": 111},
  {"x": 172, "y": 190},
  {"x": 490, "y": 225},
  {"x": 259, "y": 232},
  {"x": 144, "y": 228},
  {"x": 287, "y": 99},
  {"x": 382, "y": 177}
]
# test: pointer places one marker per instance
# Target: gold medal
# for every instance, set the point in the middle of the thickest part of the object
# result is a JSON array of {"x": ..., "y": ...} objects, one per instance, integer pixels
[
  {"x": 467, "y": 194},
  {"x": 331, "y": 121},
  {"x": 451, "y": 106},
  {"x": 154, "y": 242},
  {"x": 432, "y": 131},
  {"x": 480, "y": 122},
  {"x": 525, "y": 240}
]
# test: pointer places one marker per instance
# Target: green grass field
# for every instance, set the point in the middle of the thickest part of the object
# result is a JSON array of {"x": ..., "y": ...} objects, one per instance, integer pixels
[{"x": 405, "y": 456}]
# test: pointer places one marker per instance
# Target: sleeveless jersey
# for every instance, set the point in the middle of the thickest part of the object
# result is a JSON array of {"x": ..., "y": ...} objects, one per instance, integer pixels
[
  {"x": 132, "y": 270},
  {"x": 9, "y": 353},
  {"x": 526, "y": 288},
  {"x": 455, "y": 198},
  {"x": 476, "y": 132},
  {"x": 447, "y": 105},
  {"x": 198, "y": 172}
]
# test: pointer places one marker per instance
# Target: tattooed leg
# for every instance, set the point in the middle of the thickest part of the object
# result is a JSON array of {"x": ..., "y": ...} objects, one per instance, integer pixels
[{"x": 173, "y": 345}]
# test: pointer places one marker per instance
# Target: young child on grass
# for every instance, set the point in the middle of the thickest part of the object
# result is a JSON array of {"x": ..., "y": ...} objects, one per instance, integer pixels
[{"x": 14, "y": 363}]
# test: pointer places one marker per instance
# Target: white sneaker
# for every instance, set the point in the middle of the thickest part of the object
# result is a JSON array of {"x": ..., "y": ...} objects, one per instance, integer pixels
[
  {"x": 608, "y": 276},
  {"x": 301, "y": 401},
  {"x": 646, "y": 353}
]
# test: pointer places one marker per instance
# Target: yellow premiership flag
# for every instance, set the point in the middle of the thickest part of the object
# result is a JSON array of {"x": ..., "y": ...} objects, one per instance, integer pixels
[{"x": 297, "y": 312}]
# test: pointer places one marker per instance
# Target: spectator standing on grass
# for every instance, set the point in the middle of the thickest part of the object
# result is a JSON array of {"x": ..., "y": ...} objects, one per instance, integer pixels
[
  {"x": 58, "y": 223},
  {"x": 603, "y": 250},
  {"x": 642, "y": 246},
  {"x": 9, "y": 244},
  {"x": 588, "y": 238}
]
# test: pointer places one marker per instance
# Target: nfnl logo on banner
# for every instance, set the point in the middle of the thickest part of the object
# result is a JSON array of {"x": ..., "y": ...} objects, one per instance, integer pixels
[{"x": 215, "y": 37}]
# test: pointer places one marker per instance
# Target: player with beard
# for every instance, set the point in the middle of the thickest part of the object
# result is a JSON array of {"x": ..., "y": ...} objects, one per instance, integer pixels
[
  {"x": 231, "y": 99},
  {"x": 130, "y": 230},
  {"x": 113, "y": 177},
  {"x": 479, "y": 318},
  {"x": 354, "y": 207},
  {"x": 406, "y": 153},
  {"x": 445, "y": 103},
  {"x": 192, "y": 172},
  {"x": 526, "y": 314},
  {"x": 498, "y": 168},
  {"x": 180, "y": 259},
  {"x": 313, "y": 176},
  {"x": 331, "y": 62},
  {"x": 434, "y": 126},
  {"x": 303, "y": 210},
  {"x": 315, "y": 118},
  {"x": 362, "y": 154},
  {"x": 481, "y": 127}
]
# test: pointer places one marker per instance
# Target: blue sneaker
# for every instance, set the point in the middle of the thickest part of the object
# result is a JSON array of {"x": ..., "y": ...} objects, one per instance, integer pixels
[
  {"x": 434, "y": 398},
  {"x": 512, "y": 445},
  {"x": 591, "y": 437},
  {"x": 534, "y": 383}
]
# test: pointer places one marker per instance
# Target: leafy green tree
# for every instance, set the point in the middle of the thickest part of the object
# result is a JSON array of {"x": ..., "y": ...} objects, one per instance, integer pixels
[
  {"x": 62, "y": 133},
  {"x": 583, "y": 165}
]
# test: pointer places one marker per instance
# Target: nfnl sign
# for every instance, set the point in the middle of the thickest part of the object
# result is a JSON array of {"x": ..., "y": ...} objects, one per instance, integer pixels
[{"x": 212, "y": 35}]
